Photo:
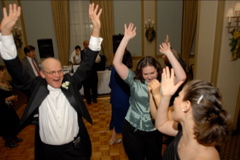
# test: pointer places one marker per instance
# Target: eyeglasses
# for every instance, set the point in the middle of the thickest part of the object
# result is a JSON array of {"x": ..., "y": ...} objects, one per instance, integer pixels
[{"x": 54, "y": 72}]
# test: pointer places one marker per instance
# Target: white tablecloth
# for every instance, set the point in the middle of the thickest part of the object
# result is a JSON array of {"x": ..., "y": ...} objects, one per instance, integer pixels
[{"x": 103, "y": 81}]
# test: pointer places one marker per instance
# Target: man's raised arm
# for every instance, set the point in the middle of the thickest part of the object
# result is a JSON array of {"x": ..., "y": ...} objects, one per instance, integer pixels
[
  {"x": 94, "y": 15},
  {"x": 7, "y": 46}
]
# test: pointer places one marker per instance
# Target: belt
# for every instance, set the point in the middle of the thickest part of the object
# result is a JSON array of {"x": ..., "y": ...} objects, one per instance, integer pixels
[{"x": 75, "y": 142}]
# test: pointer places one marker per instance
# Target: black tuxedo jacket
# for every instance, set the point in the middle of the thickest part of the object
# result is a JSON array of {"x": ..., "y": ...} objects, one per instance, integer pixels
[{"x": 36, "y": 90}]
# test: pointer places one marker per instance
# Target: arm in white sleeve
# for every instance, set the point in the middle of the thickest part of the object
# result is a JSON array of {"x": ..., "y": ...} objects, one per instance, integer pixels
[
  {"x": 8, "y": 48},
  {"x": 95, "y": 43}
]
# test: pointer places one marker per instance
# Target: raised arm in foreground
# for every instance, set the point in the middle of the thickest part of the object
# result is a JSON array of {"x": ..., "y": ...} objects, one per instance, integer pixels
[
  {"x": 168, "y": 88},
  {"x": 165, "y": 48},
  {"x": 7, "y": 47},
  {"x": 94, "y": 16},
  {"x": 122, "y": 69},
  {"x": 9, "y": 20}
]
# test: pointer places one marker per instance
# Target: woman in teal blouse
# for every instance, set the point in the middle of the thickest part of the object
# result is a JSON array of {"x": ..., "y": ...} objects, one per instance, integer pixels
[{"x": 141, "y": 139}]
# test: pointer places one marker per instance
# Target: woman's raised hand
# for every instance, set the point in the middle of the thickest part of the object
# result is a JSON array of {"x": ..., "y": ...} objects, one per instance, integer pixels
[
  {"x": 168, "y": 87},
  {"x": 165, "y": 48},
  {"x": 130, "y": 31}
]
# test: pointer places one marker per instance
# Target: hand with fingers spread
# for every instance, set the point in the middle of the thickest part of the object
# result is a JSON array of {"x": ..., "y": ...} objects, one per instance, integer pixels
[
  {"x": 130, "y": 31},
  {"x": 168, "y": 87},
  {"x": 9, "y": 19},
  {"x": 94, "y": 15}
]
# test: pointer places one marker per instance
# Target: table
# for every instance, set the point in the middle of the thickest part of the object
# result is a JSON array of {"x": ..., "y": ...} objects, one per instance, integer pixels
[{"x": 103, "y": 81}]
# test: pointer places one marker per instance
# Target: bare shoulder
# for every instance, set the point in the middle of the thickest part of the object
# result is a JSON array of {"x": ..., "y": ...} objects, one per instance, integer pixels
[{"x": 208, "y": 153}]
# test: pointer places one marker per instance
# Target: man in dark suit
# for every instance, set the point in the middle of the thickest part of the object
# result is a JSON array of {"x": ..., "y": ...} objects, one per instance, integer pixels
[
  {"x": 29, "y": 62},
  {"x": 62, "y": 133},
  {"x": 90, "y": 84}
]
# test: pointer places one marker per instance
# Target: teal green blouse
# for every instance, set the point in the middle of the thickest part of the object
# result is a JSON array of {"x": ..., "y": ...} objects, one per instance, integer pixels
[{"x": 138, "y": 114}]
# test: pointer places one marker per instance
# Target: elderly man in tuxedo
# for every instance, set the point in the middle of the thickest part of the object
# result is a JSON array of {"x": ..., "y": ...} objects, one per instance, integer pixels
[{"x": 62, "y": 133}]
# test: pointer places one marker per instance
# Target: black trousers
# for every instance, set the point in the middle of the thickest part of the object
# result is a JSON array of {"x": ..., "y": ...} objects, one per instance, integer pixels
[
  {"x": 140, "y": 145},
  {"x": 9, "y": 122},
  {"x": 58, "y": 152},
  {"x": 90, "y": 86}
]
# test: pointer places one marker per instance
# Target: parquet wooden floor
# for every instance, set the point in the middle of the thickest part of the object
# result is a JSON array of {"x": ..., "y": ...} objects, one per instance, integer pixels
[{"x": 100, "y": 134}]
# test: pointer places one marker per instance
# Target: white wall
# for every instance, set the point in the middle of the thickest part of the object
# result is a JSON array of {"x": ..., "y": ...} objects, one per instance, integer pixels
[
  {"x": 38, "y": 21},
  {"x": 229, "y": 71},
  {"x": 204, "y": 53},
  {"x": 124, "y": 13},
  {"x": 169, "y": 22},
  {"x": 228, "y": 79},
  {"x": 149, "y": 11}
]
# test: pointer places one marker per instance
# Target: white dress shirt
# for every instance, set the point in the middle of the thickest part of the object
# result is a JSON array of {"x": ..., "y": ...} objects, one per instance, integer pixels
[{"x": 58, "y": 121}]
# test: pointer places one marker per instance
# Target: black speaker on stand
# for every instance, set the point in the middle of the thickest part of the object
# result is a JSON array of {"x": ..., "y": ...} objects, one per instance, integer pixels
[
  {"x": 116, "y": 39},
  {"x": 45, "y": 47}
]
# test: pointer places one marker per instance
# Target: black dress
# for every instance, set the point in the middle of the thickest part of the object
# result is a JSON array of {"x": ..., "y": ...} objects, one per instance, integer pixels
[
  {"x": 171, "y": 152},
  {"x": 9, "y": 119}
]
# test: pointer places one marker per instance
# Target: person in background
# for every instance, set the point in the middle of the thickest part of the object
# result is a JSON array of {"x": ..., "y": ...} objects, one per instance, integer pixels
[
  {"x": 141, "y": 139},
  {"x": 181, "y": 61},
  {"x": 85, "y": 46},
  {"x": 198, "y": 121},
  {"x": 119, "y": 98},
  {"x": 29, "y": 62},
  {"x": 75, "y": 57},
  {"x": 90, "y": 84},
  {"x": 9, "y": 119},
  {"x": 62, "y": 132},
  {"x": 102, "y": 65}
]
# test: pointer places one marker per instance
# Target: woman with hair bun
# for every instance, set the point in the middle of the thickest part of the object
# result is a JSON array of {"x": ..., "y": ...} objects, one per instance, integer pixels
[{"x": 198, "y": 121}]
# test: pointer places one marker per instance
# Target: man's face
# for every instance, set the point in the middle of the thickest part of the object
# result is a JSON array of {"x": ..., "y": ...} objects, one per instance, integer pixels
[
  {"x": 52, "y": 72},
  {"x": 31, "y": 54}
]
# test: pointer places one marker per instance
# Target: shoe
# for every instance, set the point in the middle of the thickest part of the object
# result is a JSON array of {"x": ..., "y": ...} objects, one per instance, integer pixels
[
  {"x": 114, "y": 142},
  {"x": 10, "y": 144},
  {"x": 95, "y": 101},
  {"x": 15, "y": 138}
]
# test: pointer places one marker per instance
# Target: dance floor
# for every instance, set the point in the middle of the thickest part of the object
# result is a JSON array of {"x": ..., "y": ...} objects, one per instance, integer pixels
[{"x": 100, "y": 134}]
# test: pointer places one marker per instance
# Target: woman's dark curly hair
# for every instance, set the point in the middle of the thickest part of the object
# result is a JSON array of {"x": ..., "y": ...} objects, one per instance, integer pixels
[
  {"x": 211, "y": 120},
  {"x": 147, "y": 61}
]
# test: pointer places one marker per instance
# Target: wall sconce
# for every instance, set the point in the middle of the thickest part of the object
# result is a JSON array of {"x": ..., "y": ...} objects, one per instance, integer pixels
[
  {"x": 233, "y": 17},
  {"x": 17, "y": 34},
  {"x": 150, "y": 33}
]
